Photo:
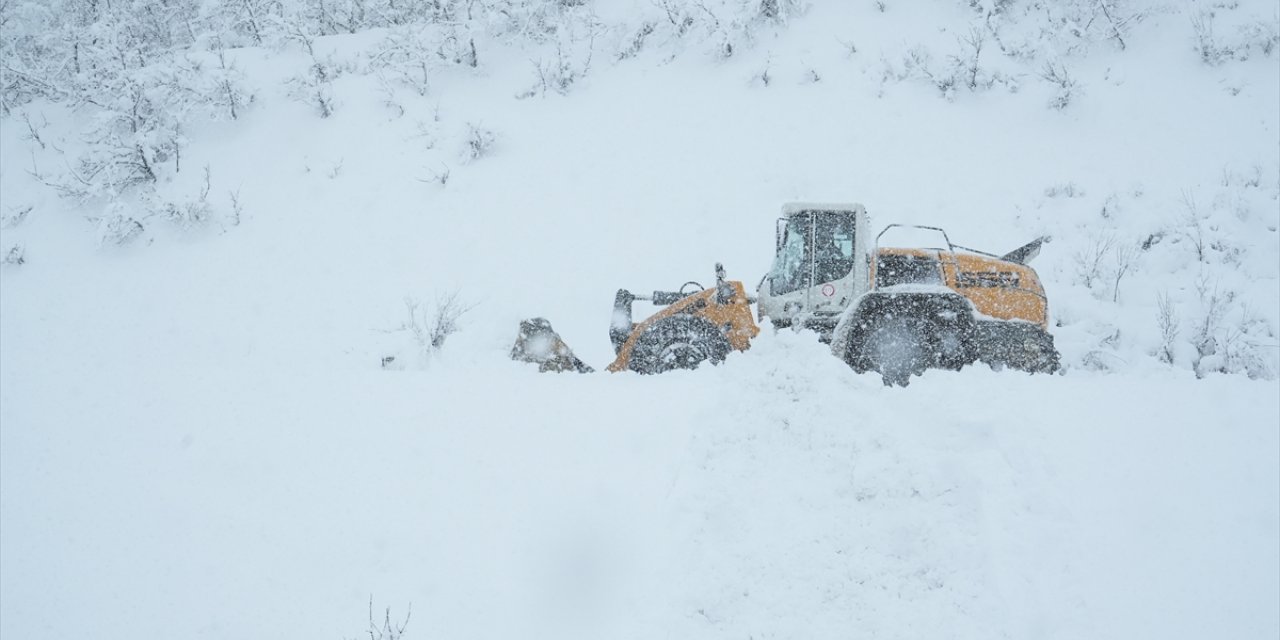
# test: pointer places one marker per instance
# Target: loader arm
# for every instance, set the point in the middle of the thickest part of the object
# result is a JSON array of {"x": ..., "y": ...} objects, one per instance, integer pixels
[{"x": 722, "y": 312}]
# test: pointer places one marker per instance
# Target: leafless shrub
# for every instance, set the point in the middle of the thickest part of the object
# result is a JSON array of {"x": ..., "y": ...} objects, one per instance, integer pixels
[
  {"x": 1213, "y": 308},
  {"x": 117, "y": 227},
  {"x": 409, "y": 55},
  {"x": 1262, "y": 36},
  {"x": 429, "y": 326},
  {"x": 1169, "y": 324},
  {"x": 1205, "y": 43},
  {"x": 444, "y": 321},
  {"x": 1252, "y": 179},
  {"x": 191, "y": 213},
  {"x": 1223, "y": 347},
  {"x": 779, "y": 11},
  {"x": 388, "y": 93},
  {"x": 1089, "y": 261},
  {"x": 971, "y": 43},
  {"x": 15, "y": 256},
  {"x": 227, "y": 90},
  {"x": 1241, "y": 354},
  {"x": 918, "y": 63},
  {"x": 428, "y": 131},
  {"x": 34, "y": 129},
  {"x": 1067, "y": 87},
  {"x": 237, "y": 210},
  {"x": 1193, "y": 226},
  {"x": 762, "y": 78},
  {"x": 557, "y": 75},
  {"x": 315, "y": 85},
  {"x": 1118, "y": 20},
  {"x": 15, "y": 216},
  {"x": 637, "y": 42},
  {"x": 1103, "y": 357},
  {"x": 1065, "y": 189},
  {"x": 850, "y": 47},
  {"x": 387, "y": 630},
  {"x": 440, "y": 177},
  {"x": 1111, "y": 206},
  {"x": 1123, "y": 257},
  {"x": 479, "y": 142}
]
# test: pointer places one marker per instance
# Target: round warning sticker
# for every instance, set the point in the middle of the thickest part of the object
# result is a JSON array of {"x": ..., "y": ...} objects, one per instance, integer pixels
[{"x": 828, "y": 290}]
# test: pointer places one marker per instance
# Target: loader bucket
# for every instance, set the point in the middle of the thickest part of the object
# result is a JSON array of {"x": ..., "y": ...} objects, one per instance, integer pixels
[{"x": 537, "y": 342}]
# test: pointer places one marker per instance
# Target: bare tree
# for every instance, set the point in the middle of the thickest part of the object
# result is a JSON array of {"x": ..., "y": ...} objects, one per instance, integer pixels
[
  {"x": 33, "y": 130},
  {"x": 314, "y": 85},
  {"x": 1193, "y": 226},
  {"x": 1089, "y": 260},
  {"x": 972, "y": 42},
  {"x": 1213, "y": 308},
  {"x": 1170, "y": 326},
  {"x": 1122, "y": 260},
  {"x": 430, "y": 326},
  {"x": 1067, "y": 87},
  {"x": 479, "y": 142},
  {"x": 387, "y": 630},
  {"x": 1117, "y": 19}
]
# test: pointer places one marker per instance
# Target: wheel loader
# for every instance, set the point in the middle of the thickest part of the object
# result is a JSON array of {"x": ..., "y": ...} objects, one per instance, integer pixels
[{"x": 894, "y": 310}]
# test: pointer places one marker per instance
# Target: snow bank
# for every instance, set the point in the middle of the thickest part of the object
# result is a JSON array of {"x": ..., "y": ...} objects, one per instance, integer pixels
[{"x": 775, "y": 495}]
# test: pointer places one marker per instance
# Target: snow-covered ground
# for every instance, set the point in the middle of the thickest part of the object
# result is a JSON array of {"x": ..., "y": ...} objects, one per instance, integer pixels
[
  {"x": 197, "y": 438},
  {"x": 779, "y": 495}
]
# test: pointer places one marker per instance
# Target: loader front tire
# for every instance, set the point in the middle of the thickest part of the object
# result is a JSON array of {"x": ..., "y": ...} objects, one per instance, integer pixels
[{"x": 678, "y": 343}]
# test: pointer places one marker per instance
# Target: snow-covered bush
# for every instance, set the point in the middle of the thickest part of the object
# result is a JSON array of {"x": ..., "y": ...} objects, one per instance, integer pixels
[
  {"x": 558, "y": 74},
  {"x": 116, "y": 226},
  {"x": 227, "y": 85},
  {"x": 253, "y": 22},
  {"x": 14, "y": 216},
  {"x": 387, "y": 629},
  {"x": 478, "y": 142},
  {"x": 15, "y": 255},
  {"x": 409, "y": 55},
  {"x": 1066, "y": 88},
  {"x": 1252, "y": 37},
  {"x": 965, "y": 69},
  {"x": 1170, "y": 326},
  {"x": 1091, "y": 258},
  {"x": 314, "y": 85},
  {"x": 187, "y": 213},
  {"x": 1175, "y": 278},
  {"x": 728, "y": 26},
  {"x": 438, "y": 176},
  {"x": 426, "y": 327}
]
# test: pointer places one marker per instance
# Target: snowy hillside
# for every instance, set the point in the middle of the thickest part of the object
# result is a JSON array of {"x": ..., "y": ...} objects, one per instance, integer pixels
[{"x": 219, "y": 218}]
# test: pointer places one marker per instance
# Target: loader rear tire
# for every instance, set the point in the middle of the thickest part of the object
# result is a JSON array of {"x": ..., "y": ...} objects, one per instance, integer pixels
[
  {"x": 678, "y": 343},
  {"x": 898, "y": 349}
]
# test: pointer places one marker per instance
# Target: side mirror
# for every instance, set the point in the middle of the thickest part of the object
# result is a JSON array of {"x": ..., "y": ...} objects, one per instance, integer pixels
[{"x": 780, "y": 231}]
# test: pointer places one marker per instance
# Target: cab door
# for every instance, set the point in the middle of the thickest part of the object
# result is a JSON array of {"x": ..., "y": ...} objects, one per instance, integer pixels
[
  {"x": 813, "y": 270},
  {"x": 834, "y": 258}
]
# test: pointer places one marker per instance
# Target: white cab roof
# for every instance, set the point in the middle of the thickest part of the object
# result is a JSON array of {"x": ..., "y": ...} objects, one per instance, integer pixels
[{"x": 791, "y": 208}]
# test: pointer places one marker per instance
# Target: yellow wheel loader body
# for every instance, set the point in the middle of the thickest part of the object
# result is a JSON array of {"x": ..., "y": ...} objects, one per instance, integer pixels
[
  {"x": 998, "y": 289},
  {"x": 894, "y": 310}
]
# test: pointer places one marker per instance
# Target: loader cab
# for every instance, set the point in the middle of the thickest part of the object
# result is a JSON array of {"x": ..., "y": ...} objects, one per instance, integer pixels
[{"x": 819, "y": 266}]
